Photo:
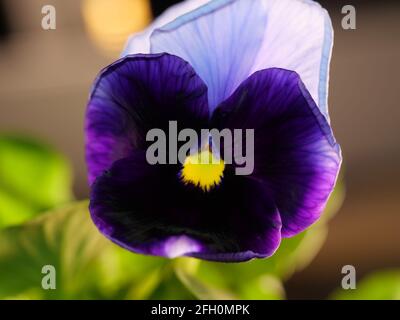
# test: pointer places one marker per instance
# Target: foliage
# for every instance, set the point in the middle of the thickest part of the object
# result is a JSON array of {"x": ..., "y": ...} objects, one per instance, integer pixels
[
  {"x": 382, "y": 285},
  {"x": 33, "y": 178}
]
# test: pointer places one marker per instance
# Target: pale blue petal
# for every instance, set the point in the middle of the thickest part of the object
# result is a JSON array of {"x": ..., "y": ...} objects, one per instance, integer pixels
[
  {"x": 228, "y": 40},
  {"x": 299, "y": 37},
  {"x": 221, "y": 40},
  {"x": 140, "y": 42}
]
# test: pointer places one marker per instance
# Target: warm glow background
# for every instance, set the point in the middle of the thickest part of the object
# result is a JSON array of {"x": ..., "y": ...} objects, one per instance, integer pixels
[{"x": 45, "y": 78}]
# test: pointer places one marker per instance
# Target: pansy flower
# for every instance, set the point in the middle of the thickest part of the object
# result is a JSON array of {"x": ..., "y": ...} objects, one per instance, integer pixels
[{"x": 224, "y": 64}]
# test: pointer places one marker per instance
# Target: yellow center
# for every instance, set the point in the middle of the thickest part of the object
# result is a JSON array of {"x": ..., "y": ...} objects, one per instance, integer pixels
[{"x": 203, "y": 169}]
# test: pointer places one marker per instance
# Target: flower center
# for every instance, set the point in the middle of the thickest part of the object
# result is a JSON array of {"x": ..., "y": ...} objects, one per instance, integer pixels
[{"x": 203, "y": 169}]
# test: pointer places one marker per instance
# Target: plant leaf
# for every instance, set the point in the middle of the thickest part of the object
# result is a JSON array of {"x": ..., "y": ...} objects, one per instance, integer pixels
[
  {"x": 33, "y": 178},
  {"x": 185, "y": 269},
  {"x": 265, "y": 287},
  {"x": 65, "y": 239},
  {"x": 383, "y": 285},
  {"x": 88, "y": 266}
]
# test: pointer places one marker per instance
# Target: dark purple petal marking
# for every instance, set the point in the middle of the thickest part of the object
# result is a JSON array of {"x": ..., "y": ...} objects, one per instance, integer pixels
[
  {"x": 296, "y": 154},
  {"x": 133, "y": 95}
]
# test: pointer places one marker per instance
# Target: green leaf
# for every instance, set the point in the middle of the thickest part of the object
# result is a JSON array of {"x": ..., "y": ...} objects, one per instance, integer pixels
[
  {"x": 65, "y": 239},
  {"x": 33, "y": 178},
  {"x": 265, "y": 287},
  {"x": 185, "y": 269},
  {"x": 126, "y": 275},
  {"x": 383, "y": 285},
  {"x": 145, "y": 286},
  {"x": 171, "y": 287},
  {"x": 215, "y": 286},
  {"x": 88, "y": 266}
]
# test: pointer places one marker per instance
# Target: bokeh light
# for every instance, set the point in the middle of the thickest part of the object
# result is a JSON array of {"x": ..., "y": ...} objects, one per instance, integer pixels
[{"x": 110, "y": 22}]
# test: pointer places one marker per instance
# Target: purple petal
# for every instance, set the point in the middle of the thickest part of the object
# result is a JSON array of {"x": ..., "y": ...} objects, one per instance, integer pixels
[
  {"x": 136, "y": 94},
  {"x": 147, "y": 209},
  {"x": 296, "y": 154}
]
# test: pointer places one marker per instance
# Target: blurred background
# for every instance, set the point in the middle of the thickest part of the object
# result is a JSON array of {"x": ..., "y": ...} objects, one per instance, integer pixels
[{"x": 45, "y": 78}]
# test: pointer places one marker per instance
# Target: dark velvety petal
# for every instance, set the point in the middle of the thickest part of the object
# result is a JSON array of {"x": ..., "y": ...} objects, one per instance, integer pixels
[
  {"x": 296, "y": 154},
  {"x": 134, "y": 95},
  {"x": 147, "y": 209},
  {"x": 130, "y": 203},
  {"x": 243, "y": 219}
]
